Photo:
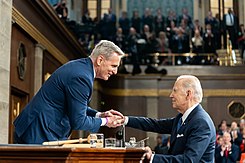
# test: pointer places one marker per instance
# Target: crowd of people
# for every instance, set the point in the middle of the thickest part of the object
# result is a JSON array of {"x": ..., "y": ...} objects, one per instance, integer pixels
[
  {"x": 230, "y": 142},
  {"x": 142, "y": 36}
]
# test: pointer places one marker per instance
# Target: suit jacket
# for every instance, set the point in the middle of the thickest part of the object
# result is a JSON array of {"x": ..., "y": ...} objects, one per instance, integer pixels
[
  {"x": 232, "y": 157},
  {"x": 193, "y": 142},
  {"x": 235, "y": 23},
  {"x": 61, "y": 105}
]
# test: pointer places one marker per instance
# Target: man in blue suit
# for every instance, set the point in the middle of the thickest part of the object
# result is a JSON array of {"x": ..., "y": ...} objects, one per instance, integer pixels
[
  {"x": 192, "y": 130},
  {"x": 61, "y": 104}
]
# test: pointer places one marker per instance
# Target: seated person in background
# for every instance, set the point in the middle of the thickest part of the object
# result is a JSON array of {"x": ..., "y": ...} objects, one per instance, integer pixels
[
  {"x": 236, "y": 136},
  {"x": 133, "y": 50},
  {"x": 227, "y": 152},
  {"x": 242, "y": 146},
  {"x": 180, "y": 44},
  {"x": 62, "y": 10},
  {"x": 219, "y": 141},
  {"x": 86, "y": 19},
  {"x": 163, "y": 43},
  {"x": 222, "y": 128},
  {"x": 197, "y": 42},
  {"x": 242, "y": 124},
  {"x": 161, "y": 148},
  {"x": 209, "y": 40},
  {"x": 198, "y": 27},
  {"x": 163, "y": 46}
]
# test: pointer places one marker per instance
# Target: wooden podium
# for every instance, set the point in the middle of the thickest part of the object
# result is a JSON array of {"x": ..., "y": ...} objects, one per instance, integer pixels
[{"x": 57, "y": 154}]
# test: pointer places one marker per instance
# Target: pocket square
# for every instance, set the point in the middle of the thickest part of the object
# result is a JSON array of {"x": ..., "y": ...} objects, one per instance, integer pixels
[{"x": 180, "y": 135}]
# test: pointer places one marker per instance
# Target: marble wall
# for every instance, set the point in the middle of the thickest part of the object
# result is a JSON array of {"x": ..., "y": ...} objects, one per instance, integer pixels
[{"x": 5, "y": 42}]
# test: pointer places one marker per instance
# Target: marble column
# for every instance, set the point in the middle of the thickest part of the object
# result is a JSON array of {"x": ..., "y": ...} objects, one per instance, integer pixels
[
  {"x": 5, "y": 44},
  {"x": 38, "y": 74}
]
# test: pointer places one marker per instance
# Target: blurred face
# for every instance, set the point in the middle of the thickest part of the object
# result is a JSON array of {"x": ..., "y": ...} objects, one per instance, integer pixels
[
  {"x": 226, "y": 137},
  {"x": 107, "y": 67},
  {"x": 223, "y": 127},
  {"x": 179, "y": 96},
  {"x": 243, "y": 131},
  {"x": 233, "y": 125}
]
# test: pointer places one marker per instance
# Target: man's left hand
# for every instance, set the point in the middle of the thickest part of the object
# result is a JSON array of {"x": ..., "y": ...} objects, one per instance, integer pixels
[{"x": 148, "y": 153}]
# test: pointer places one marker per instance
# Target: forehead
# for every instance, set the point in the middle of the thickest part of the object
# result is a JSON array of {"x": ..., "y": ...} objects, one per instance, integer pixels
[
  {"x": 114, "y": 56},
  {"x": 114, "y": 59},
  {"x": 178, "y": 83},
  {"x": 226, "y": 135}
]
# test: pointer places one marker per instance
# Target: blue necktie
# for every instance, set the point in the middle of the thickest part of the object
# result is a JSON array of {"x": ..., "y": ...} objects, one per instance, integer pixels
[{"x": 179, "y": 123}]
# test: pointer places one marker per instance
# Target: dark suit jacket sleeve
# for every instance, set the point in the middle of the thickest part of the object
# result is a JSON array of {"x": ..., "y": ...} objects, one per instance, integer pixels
[
  {"x": 91, "y": 112},
  {"x": 163, "y": 126},
  {"x": 198, "y": 140},
  {"x": 78, "y": 94}
]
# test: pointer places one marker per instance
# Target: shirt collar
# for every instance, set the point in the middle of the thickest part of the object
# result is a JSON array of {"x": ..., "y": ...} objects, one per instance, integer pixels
[
  {"x": 94, "y": 72},
  {"x": 187, "y": 112},
  {"x": 93, "y": 67}
]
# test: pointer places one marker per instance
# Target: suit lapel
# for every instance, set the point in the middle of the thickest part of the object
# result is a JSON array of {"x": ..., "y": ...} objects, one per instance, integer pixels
[
  {"x": 184, "y": 125},
  {"x": 174, "y": 130},
  {"x": 194, "y": 111},
  {"x": 91, "y": 69}
]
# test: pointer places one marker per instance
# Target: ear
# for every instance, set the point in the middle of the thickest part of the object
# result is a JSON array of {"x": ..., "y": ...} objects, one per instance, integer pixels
[
  {"x": 99, "y": 60},
  {"x": 188, "y": 94}
]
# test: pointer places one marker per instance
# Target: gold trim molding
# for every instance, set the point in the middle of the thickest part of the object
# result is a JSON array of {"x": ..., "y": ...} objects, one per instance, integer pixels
[
  {"x": 166, "y": 92},
  {"x": 40, "y": 38}
]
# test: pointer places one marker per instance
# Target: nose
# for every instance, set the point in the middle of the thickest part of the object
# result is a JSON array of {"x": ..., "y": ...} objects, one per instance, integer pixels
[
  {"x": 114, "y": 71},
  {"x": 171, "y": 94}
]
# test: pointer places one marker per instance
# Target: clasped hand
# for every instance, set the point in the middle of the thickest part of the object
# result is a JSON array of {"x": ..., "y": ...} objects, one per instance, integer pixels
[{"x": 114, "y": 118}]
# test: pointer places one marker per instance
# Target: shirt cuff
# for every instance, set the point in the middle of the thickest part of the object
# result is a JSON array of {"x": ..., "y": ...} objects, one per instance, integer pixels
[
  {"x": 97, "y": 115},
  {"x": 104, "y": 121},
  {"x": 126, "y": 121}
]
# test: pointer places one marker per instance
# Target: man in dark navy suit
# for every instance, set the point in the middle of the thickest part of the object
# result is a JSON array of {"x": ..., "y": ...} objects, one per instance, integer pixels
[
  {"x": 192, "y": 130},
  {"x": 61, "y": 104}
]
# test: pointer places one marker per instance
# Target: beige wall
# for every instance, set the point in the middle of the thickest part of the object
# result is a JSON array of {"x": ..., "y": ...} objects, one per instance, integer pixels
[{"x": 241, "y": 11}]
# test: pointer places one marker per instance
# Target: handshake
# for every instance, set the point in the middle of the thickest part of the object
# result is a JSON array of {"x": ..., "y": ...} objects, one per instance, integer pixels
[{"x": 113, "y": 118}]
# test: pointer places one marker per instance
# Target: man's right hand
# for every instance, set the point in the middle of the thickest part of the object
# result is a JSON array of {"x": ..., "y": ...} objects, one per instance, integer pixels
[{"x": 114, "y": 121}]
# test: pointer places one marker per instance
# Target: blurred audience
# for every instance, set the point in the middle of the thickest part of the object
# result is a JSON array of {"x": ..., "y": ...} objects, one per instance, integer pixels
[
  {"x": 62, "y": 10},
  {"x": 161, "y": 148},
  {"x": 159, "y": 22},
  {"x": 227, "y": 152},
  {"x": 155, "y": 33},
  {"x": 124, "y": 23}
]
